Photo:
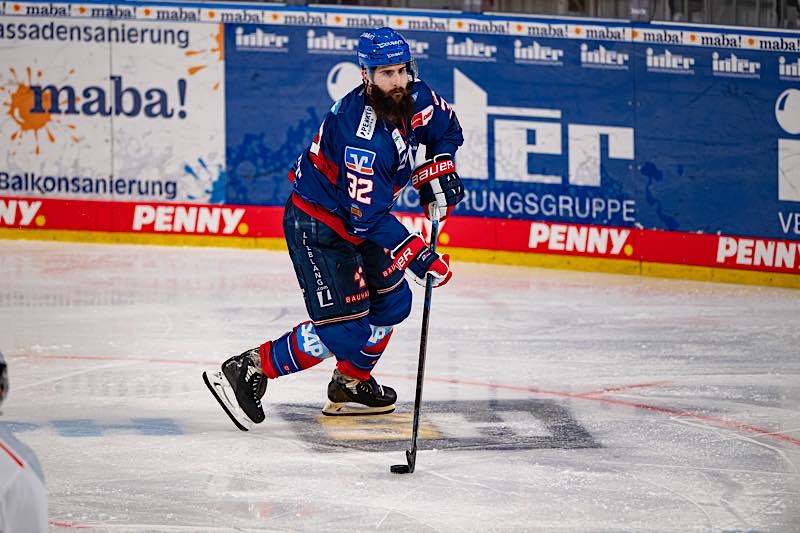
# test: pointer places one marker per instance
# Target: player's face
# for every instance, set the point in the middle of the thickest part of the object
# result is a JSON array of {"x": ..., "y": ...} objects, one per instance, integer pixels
[{"x": 392, "y": 80}]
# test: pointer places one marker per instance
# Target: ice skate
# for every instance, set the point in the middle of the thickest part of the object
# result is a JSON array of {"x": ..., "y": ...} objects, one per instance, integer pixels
[
  {"x": 239, "y": 387},
  {"x": 349, "y": 396}
]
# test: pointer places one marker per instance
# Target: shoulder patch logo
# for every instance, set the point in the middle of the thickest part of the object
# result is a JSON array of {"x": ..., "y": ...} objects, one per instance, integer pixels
[
  {"x": 359, "y": 160},
  {"x": 367, "y": 125},
  {"x": 422, "y": 118}
]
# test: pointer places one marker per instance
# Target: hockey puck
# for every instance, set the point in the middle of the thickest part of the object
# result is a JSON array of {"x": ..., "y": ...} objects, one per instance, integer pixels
[{"x": 400, "y": 469}]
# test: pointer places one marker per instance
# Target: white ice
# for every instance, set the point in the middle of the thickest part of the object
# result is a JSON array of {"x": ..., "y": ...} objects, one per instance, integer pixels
[{"x": 553, "y": 400}]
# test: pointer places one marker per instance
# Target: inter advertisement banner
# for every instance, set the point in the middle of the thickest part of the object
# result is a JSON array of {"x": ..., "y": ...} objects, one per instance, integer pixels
[
  {"x": 613, "y": 125},
  {"x": 101, "y": 108}
]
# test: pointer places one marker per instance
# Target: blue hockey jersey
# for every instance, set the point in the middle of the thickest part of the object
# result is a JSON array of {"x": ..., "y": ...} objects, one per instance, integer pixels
[{"x": 357, "y": 164}]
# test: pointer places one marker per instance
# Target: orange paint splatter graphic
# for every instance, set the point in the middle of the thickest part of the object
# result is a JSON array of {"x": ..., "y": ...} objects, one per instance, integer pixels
[
  {"x": 21, "y": 102},
  {"x": 219, "y": 51}
]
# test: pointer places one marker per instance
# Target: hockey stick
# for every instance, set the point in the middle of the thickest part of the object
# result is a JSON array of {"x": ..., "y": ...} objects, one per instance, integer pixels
[{"x": 411, "y": 455}]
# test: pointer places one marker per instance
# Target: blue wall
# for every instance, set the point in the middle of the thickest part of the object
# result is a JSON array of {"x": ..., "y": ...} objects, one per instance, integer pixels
[{"x": 612, "y": 130}]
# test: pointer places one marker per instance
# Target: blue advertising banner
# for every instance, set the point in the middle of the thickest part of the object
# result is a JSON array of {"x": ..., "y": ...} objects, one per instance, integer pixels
[
  {"x": 622, "y": 125},
  {"x": 707, "y": 140}
]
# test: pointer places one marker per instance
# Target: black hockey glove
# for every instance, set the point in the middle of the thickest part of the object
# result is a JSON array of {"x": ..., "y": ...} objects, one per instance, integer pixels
[{"x": 437, "y": 181}]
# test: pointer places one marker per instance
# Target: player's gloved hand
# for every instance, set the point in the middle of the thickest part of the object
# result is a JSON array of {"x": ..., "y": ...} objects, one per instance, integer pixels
[
  {"x": 417, "y": 259},
  {"x": 436, "y": 181}
]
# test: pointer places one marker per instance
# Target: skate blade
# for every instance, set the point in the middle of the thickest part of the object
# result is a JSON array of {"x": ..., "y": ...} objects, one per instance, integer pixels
[
  {"x": 223, "y": 392},
  {"x": 354, "y": 409}
]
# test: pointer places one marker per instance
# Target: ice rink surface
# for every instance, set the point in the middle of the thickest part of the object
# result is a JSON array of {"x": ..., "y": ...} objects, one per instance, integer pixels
[{"x": 554, "y": 401}]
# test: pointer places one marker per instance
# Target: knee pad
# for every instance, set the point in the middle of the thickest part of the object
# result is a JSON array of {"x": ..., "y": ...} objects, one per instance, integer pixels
[
  {"x": 345, "y": 339},
  {"x": 391, "y": 308}
]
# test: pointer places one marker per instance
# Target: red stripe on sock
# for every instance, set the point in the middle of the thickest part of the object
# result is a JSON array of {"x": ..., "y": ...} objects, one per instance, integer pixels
[
  {"x": 347, "y": 368},
  {"x": 304, "y": 360},
  {"x": 265, "y": 352},
  {"x": 380, "y": 347}
]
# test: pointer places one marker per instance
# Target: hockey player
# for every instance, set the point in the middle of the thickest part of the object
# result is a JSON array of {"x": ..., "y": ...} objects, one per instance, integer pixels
[
  {"x": 349, "y": 252},
  {"x": 23, "y": 497}
]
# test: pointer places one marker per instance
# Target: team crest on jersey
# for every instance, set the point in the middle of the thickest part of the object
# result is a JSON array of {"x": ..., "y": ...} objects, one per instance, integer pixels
[{"x": 359, "y": 160}]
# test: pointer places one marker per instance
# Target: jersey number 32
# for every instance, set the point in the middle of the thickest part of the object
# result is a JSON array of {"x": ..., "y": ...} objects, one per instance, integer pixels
[{"x": 359, "y": 188}]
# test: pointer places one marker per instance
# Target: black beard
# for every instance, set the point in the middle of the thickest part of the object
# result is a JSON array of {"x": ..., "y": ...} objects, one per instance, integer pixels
[{"x": 398, "y": 113}]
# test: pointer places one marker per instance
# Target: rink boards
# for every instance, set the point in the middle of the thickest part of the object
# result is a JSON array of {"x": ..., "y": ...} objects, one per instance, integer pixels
[
  {"x": 591, "y": 144},
  {"x": 576, "y": 246}
]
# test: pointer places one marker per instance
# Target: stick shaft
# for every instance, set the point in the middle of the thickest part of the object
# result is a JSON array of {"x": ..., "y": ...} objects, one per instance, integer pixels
[{"x": 423, "y": 344}]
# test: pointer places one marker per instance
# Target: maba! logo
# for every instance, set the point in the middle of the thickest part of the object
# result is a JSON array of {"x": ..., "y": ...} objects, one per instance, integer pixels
[
  {"x": 42, "y": 107},
  {"x": 20, "y": 101},
  {"x": 118, "y": 98}
]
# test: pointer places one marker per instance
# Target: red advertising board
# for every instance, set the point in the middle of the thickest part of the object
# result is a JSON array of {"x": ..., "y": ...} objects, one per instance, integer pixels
[{"x": 156, "y": 222}]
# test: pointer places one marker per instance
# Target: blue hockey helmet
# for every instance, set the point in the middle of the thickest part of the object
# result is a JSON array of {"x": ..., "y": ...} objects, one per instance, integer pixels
[{"x": 384, "y": 46}]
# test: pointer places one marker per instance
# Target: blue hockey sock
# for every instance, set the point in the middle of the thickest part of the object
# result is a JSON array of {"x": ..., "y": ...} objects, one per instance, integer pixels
[{"x": 296, "y": 350}]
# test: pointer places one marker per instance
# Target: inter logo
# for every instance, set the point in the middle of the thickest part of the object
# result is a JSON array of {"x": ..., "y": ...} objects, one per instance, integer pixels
[
  {"x": 734, "y": 66},
  {"x": 470, "y": 50},
  {"x": 359, "y": 160},
  {"x": 329, "y": 43},
  {"x": 788, "y": 71},
  {"x": 260, "y": 41},
  {"x": 536, "y": 54},
  {"x": 668, "y": 62},
  {"x": 603, "y": 57}
]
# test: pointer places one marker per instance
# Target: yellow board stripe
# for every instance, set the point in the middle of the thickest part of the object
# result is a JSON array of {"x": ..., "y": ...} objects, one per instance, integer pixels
[
  {"x": 160, "y": 239},
  {"x": 497, "y": 257},
  {"x": 619, "y": 266}
]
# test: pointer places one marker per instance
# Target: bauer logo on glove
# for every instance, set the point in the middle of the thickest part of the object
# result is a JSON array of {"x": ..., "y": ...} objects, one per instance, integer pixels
[
  {"x": 437, "y": 181},
  {"x": 418, "y": 260}
]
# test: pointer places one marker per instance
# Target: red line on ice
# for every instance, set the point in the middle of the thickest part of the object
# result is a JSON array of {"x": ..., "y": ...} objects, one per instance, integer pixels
[
  {"x": 69, "y": 525},
  {"x": 589, "y": 396},
  {"x": 625, "y": 387}
]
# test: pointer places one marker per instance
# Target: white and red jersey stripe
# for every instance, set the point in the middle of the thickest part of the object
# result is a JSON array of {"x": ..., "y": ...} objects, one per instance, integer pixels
[{"x": 23, "y": 496}]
